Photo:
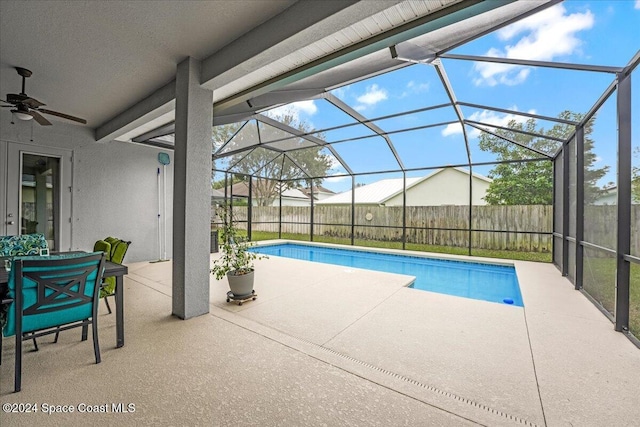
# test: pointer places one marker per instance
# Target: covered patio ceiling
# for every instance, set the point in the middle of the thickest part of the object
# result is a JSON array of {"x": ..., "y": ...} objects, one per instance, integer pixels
[
  {"x": 81, "y": 51},
  {"x": 437, "y": 45}
]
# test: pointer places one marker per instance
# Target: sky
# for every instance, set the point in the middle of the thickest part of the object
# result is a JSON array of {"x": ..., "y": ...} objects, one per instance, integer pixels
[{"x": 596, "y": 32}]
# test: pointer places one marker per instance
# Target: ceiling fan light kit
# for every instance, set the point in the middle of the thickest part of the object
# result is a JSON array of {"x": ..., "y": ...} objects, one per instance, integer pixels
[
  {"x": 22, "y": 116},
  {"x": 27, "y": 108}
]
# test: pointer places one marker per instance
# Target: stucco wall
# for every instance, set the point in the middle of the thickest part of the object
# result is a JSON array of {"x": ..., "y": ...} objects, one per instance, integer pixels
[
  {"x": 448, "y": 187},
  {"x": 114, "y": 186}
]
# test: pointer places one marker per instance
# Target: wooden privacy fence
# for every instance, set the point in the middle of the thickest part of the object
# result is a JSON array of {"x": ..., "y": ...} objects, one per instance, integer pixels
[
  {"x": 519, "y": 228},
  {"x": 601, "y": 226}
]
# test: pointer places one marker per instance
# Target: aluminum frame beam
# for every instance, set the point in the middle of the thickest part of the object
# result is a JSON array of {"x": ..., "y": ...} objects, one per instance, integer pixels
[
  {"x": 364, "y": 121},
  {"x": 300, "y": 134},
  {"x": 504, "y": 138},
  {"x": 524, "y": 132},
  {"x": 518, "y": 113},
  {"x": 530, "y": 63},
  {"x": 452, "y": 97}
]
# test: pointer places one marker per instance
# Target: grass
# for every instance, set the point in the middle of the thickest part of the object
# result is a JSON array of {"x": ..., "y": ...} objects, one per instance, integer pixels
[
  {"x": 523, "y": 256},
  {"x": 634, "y": 296},
  {"x": 600, "y": 282}
]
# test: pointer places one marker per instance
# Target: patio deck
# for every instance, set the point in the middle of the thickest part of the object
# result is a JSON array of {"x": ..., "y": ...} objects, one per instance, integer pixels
[{"x": 329, "y": 345}]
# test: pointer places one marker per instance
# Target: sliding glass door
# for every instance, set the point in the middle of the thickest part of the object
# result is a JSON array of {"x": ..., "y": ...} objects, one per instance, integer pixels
[{"x": 38, "y": 193}]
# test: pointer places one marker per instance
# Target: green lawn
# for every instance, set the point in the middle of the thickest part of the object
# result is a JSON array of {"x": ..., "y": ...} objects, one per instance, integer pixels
[
  {"x": 525, "y": 256},
  {"x": 634, "y": 295}
]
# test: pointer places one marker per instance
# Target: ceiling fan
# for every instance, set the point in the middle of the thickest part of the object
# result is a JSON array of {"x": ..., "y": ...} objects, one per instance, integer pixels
[{"x": 27, "y": 108}]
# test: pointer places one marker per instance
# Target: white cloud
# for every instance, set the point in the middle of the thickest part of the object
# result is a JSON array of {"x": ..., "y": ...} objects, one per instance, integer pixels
[
  {"x": 452, "y": 129},
  {"x": 543, "y": 37},
  {"x": 488, "y": 117},
  {"x": 334, "y": 179},
  {"x": 637, "y": 5},
  {"x": 413, "y": 88},
  {"x": 295, "y": 109},
  {"x": 373, "y": 95}
]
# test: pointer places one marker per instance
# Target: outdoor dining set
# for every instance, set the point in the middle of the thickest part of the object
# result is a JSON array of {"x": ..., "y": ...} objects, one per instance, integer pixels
[{"x": 45, "y": 292}]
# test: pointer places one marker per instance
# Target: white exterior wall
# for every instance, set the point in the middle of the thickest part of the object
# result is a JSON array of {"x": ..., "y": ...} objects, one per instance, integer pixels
[
  {"x": 448, "y": 187},
  {"x": 114, "y": 186},
  {"x": 291, "y": 202}
]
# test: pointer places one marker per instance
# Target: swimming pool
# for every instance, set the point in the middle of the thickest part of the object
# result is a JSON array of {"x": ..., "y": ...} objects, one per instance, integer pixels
[{"x": 488, "y": 282}]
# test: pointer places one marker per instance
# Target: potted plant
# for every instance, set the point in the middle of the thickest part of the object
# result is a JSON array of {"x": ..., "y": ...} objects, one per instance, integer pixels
[{"x": 236, "y": 261}]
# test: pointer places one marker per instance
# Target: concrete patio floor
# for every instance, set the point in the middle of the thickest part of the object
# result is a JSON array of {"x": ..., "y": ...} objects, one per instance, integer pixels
[{"x": 329, "y": 345}]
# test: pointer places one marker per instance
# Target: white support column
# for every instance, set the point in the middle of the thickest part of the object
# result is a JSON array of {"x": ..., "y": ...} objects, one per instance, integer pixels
[{"x": 192, "y": 192}]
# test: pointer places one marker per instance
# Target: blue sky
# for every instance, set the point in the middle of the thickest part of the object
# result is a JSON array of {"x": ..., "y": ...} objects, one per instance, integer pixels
[{"x": 586, "y": 32}]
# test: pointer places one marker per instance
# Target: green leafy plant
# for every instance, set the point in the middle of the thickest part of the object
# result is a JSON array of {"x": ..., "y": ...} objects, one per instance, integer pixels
[{"x": 236, "y": 258}]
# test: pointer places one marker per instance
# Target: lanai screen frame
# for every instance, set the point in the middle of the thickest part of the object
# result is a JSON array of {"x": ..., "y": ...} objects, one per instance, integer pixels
[
  {"x": 564, "y": 242},
  {"x": 561, "y": 159}
]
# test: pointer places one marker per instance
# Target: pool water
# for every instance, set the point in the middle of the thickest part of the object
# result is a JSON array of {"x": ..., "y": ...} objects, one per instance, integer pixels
[{"x": 487, "y": 282}]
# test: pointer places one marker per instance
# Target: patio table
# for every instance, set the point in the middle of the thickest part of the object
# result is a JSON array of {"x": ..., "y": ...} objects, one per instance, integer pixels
[{"x": 111, "y": 270}]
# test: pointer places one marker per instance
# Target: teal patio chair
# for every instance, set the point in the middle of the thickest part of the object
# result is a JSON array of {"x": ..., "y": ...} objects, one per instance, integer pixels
[
  {"x": 114, "y": 250},
  {"x": 50, "y": 294},
  {"x": 22, "y": 245}
]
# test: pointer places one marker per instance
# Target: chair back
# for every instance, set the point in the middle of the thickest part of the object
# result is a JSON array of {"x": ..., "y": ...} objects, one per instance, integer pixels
[
  {"x": 115, "y": 250},
  {"x": 118, "y": 249},
  {"x": 53, "y": 291}
]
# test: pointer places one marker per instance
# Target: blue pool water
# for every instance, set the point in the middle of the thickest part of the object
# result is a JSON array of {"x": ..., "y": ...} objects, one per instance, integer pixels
[{"x": 495, "y": 283}]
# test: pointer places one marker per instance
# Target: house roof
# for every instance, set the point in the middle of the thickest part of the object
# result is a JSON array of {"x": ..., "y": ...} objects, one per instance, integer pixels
[
  {"x": 217, "y": 194},
  {"x": 380, "y": 191},
  {"x": 374, "y": 193},
  {"x": 317, "y": 189},
  {"x": 241, "y": 189}
]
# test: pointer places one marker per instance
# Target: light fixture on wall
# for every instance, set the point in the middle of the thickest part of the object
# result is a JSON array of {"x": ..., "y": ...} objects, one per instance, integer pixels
[{"x": 21, "y": 115}]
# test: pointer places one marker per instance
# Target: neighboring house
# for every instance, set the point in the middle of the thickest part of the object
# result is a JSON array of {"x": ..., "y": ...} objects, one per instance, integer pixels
[
  {"x": 217, "y": 196},
  {"x": 290, "y": 197},
  {"x": 608, "y": 196},
  {"x": 319, "y": 192},
  {"x": 448, "y": 186}
]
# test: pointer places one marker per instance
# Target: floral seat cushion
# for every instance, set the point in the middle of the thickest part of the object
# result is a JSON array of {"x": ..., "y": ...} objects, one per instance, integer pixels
[{"x": 26, "y": 244}]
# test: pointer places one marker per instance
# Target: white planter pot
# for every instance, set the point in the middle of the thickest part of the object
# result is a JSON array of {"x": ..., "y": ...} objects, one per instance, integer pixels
[{"x": 242, "y": 284}]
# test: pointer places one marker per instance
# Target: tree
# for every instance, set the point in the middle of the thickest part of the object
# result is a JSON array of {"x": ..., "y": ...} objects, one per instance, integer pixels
[
  {"x": 276, "y": 172},
  {"x": 531, "y": 183}
]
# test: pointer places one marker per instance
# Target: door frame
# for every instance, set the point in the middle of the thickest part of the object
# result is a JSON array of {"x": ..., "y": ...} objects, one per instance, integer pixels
[
  {"x": 12, "y": 203},
  {"x": 3, "y": 186}
]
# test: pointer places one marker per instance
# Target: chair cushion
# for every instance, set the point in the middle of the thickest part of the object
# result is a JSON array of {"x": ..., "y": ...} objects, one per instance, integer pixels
[
  {"x": 26, "y": 244},
  {"x": 30, "y": 295},
  {"x": 117, "y": 253},
  {"x": 103, "y": 246}
]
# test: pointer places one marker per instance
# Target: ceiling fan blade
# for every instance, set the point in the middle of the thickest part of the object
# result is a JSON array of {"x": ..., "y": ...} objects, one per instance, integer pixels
[
  {"x": 32, "y": 103},
  {"x": 38, "y": 118},
  {"x": 64, "y": 116}
]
